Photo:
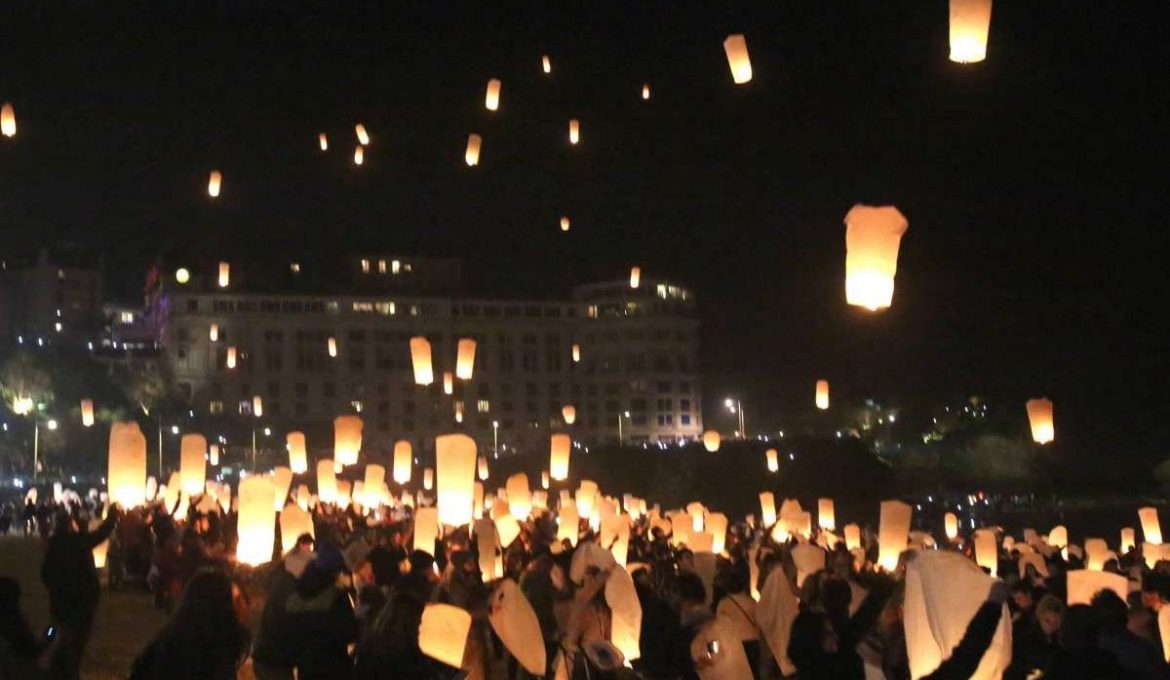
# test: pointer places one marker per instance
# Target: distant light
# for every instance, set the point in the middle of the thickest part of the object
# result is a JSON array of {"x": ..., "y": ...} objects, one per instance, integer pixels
[
  {"x": 57, "y": 326},
  {"x": 646, "y": 91},
  {"x": 174, "y": 429},
  {"x": 359, "y": 155},
  {"x": 892, "y": 417},
  {"x": 268, "y": 432},
  {"x": 182, "y": 275},
  {"x": 52, "y": 424}
]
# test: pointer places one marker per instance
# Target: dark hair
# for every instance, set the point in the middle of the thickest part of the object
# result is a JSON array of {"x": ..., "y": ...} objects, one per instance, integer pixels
[
  {"x": 1112, "y": 612},
  {"x": 1078, "y": 628},
  {"x": 690, "y": 588},
  {"x": 204, "y": 638}
]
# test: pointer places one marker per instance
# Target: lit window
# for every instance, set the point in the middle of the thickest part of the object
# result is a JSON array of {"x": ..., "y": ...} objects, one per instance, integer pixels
[
  {"x": 357, "y": 406},
  {"x": 363, "y": 307},
  {"x": 414, "y": 310},
  {"x": 662, "y": 291},
  {"x": 57, "y": 326},
  {"x": 365, "y": 266},
  {"x": 385, "y": 308},
  {"x": 395, "y": 266},
  {"x": 126, "y": 317},
  {"x": 483, "y": 406},
  {"x": 591, "y": 312},
  {"x": 381, "y": 266},
  {"x": 295, "y": 267},
  {"x": 406, "y": 267},
  {"x": 215, "y": 407}
]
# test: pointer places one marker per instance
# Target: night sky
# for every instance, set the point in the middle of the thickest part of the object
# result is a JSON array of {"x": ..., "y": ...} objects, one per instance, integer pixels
[{"x": 1033, "y": 182}]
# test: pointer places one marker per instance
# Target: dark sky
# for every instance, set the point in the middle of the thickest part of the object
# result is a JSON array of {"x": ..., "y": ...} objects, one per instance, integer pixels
[{"x": 1034, "y": 182}]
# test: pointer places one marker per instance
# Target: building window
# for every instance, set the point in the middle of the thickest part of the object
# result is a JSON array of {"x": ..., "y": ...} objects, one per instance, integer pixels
[
  {"x": 365, "y": 266},
  {"x": 483, "y": 406},
  {"x": 684, "y": 405},
  {"x": 666, "y": 405},
  {"x": 357, "y": 406},
  {"x": 215, "y": 408},
  {"x": 381, "y": 266},
  {"x": 302, "y": 389},
  {"x": 684, "y": 419},
  {"x": 665, "y": 419},
  {"x": 664, "y": 388}
]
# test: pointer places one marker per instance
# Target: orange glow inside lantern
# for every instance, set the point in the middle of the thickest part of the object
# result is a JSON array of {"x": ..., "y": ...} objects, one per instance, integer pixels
[
  {"x": 576, "y": 353},
  {"x": 294, "y": 521},
  {"x": 87, "y": 412},
  {"x": 565, "y": 223},
  {"x": 1151, "y": 526},
  {"x": 1058, "y": 537},
  {"x": 225, "y": 274},
  {"x": 213, "y": 183},
  {"x": 852, "y": 536},
  {"x": 255, "y": 526},
  {"x": 8, "y": 120},
  {"x": 893, "y": 532},
  {"x": 323, "y": 141},
  {"x": 873, "y": 235},
  {"x": 331, "y": 346},
  {"x": 465, "y": 359},
  {"x": 544, "y": 479},
  {"x": 635, "y": 276},
  {"x": 213, "y": 454},
  {"x": 519, "y": 496},
  {"x": 420, "y": 357},
  {"x": 126, "y": 475},
  {"x": 986, "y": 551},
  {"x": 326, "y": 482},
  {"x": 826, "y": 514},
  {"x": 574, "y": 131},
  {"x": 428, "y": 479},
  {"x": 213, "y": 332},
  {"x": 716, "y": 525},
  {"x": 568, "y": 523},
  {"x": 448, "y": 382},
  {"x": 347, "y": 439},
  {"x": 426, "y": 529},
  {"x": 281, "y": 483},
  {"x": 561, "y": 446},
  {"x": 257, "y": 406},
  {"x": 298, "y": 460},
  {"x": 646, "y": 91},
  {"x": 546, "y": 64},
  {"x": 375, "y": 476},
  {"x": 1040, "y": 418},
  {"x": 482, "y": 468},
  {"x": 767, "y": 508},
  {"x": 569, "y": 413},
  {"x": 951, "y": 526},
  {"x": 363, "y": 137},
  {"x": 711, "y": 441},
  {"x": 442, "y": 634},
  {"x": 192, "y": 463},
  {"x": 403, "y": 460},
  {"x": 455, "y": 472},
  {"x": 737, "y": 58},
  {"x": 359, "y": 154},
  {"x": 471, "y": 155},
  {"x": 1128, "y": 540},
  {"x": 492, "y": 98},
  {"x": 970, "y": 24},
  {"x": 822, "y": 394},
  {"x": 773, "y": 460}
]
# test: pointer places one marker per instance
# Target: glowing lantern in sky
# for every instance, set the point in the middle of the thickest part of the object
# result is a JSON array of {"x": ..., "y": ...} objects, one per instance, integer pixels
[
  {"x": 951, "y": 526},
  {"x": 576, "y": 353},
  {"x": 471, "y": 156},
  {"x": 558, "y": 464},
  {"x": 257, "y": 406},
  {"x": 711, "y": 441},
  {"x": 326, "y": 482},
  {"x": 87, "y": 412},
  {"x": 323, "y": 141},
  {"x": 773, "y": 461},
  {"x": 375, "y": 476},
  {"x": 852, "y": 536},
  {"x": 213, "y": 454},
  {"x": 403, "y": 458},
  {"x": 448, "y": 382},
  {"x": 1151, "y": 527},
  {"x": 737, "y": 58},
  {"x": 347, "y": 439},
  {"x": 986, "y": 551},
  {"x": 192, "y": 463},
  {"x": 331, "y": 346},
  {"x": 635, "y": 276},
  {"x": 482, "y": 468},
  {"x": 767, "y": 508},
  {"x": 225, "y": 274},
  {"x": 362, "y": 136},
  {"x": 565, "y": 223},
  {"x": 646, "y": 91},
  {"x": 569, "y": 413},
  {"x": 455, "y": 483},
  {"x": 420, "y": 356},
  {"x": 970, "y": 24},
  {"x": 255, "y": 526},
  {"x": 298, "y": 460},
  {"x": 519, "y": 496},
  {"x": 213, "y": 183},
  {"x": 8, "y": 120},
  {"x": 281, "y": 483},
  {"x": 872, "y": 237},
  {"x": 428, "y": 479},
  {"x": 893, "y": 532},
  {"x": 359, "y": 154},
  {"x": 1128, "y": 540},
  {"x": 294, "y": 522},
  {"x": 182, "y": 275},
  {"x": 544, "y": 479},
  {"x": 822, "y": 394},
  {"x": 442, "y": 634},
  {"x": 465, "y": 360},
  {"x": 826, "y": 514},
  {"x": 1040, "y": 418},
  {"x": 213, "y": 332},
  {"x": 126, "y": 475},
  {"x": 546, "y": 64},
  {"x": 231, "y": 357},
  {"x": 492, "y": 99},
  {"x": 574, "y": 131}
]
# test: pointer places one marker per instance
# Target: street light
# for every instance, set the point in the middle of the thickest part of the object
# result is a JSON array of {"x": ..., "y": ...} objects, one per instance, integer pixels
[
  {"x": 626, "y": 414},
  {"x": 736, "y": 408},
  {"x": 495, "y": 439}
]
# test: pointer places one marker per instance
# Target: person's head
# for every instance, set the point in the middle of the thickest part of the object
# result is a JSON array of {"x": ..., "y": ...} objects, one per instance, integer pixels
[
  {"x": 689, "y": 589},
  {"x": 836, "y": 595},
  {"x": 1023, "y": 595},
  {"x": 841, "y": 563},
  {"x": 686, "y": 560},
  {"x": 1112, "y": 612},
  {"x": 1154, "y": 587},
  {"x": 207, "y": 599},
  {"x": 1049, "y": 614},
  {"x": 812, "y": 639},
  {"x": 1078, "y": 628}
]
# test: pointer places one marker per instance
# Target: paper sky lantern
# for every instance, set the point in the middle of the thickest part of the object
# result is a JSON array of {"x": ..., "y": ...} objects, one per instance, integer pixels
[
  {"x": 492, "y": 98},
  {"x": 872, "y": 237},
  {"x": 403, "y": 459},
  {"x": 822, "y": 394},
  {"x": 465, "y": 359},
  {"x": 951, "y": 526},
  {"x": 767, "y": 508},
  {"x": 87, "y": 412},
  {"x": 375, "y": 476},
  {"x": 519, "y": 496},
  {"x": 569, "y": 413},
  {"x": 213, "y": 454},
  {"x": 546, "y": 66},
  {"x": 717, "y": 527},
  {"x": 230, "y": 359},
  {"x": 428, "y": 479},
  {"x": 515, "y": 623},
  {"x": 1096, "y": 553},
  {"x": 298, "y": 460},
  {"x": 574, "y": 131},
  {"x": 448, "y": 382},
  {"x": 507, "y": 528},
  {"x": 294, "y": 521},
  {"x": 625, "y": 613},
  {"x": 192, "y": 463},
  {"x": 1164, "y": 631},
  {"x": 225, "y": 274},
  {"x": 331, "y": 346},
  {"x": 1128, "y": 540},
  {"x": 347, "y": 439},
  {"x": 944, "y": 590},
  {"x": 213, "y": 332},
  {"x": 646, "y": 91},
  {"x": 635, "y": 276},
  {"x": 257, "y": 406},
  {"x": 737, "y": 58},
  {"x": 576, "y": 353},
  {"x": 323, "y": 141},
  {"x": 1083, "y": 584},
  {"x": 426, "y": 529},
  {"x": 126, "y": 475},
  {"x": 986, "y": 554},
  {"x": 213, "y": 183},
  {"x": 420, "y": 357},
  {"x": 281, "y": 483},
  {"x": 1040, "y": 418},
  {"x": 359, "y": 154},
  {"x": 471, "y": 156},
  {"x": 773, "y": 460},
  {"x": 826, "y": 514},
  {"x": 442, "y": 634},
  {"x": 565, "y": 223},
  {"x": 852, "y": 536},
  {"x": 1151, "y": 527},
  {"x": 711, "y": 441},
  {"x": 1058, "y": 537},
  {"x": 255, "y": 525},
  {"x": 775, "y": 613},
  {"x": 894, "y": 529},
  {"x": 970, "y": 24},
  {"x": 8, "y": 120},
  {"x": 455, "y": 472},
  {"x": 587, "y": 499},
  {"x": 363, "y": 137}
]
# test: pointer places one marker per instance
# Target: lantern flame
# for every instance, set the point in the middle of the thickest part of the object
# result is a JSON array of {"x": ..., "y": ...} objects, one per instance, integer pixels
[
  {"x": 471, "y": 156},
  {"x": 492, "y": 98},
  {"x": 970, "y": 24},
  {"x": 8, "y": 120},
  {"x": 1040, "y": 418},
  {"x": 362, "y": 136},
  {"x": 213, "y": 183}
]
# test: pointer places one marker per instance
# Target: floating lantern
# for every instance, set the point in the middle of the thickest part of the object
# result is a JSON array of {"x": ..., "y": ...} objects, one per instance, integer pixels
[
  {"x": 986, "y": 555},
  {"x": 716, "y": 525},
  {"x": 294, "y": 523},
  {"x": 970, "y": 24},
  {"x": 459, "y": 412},
  {"x": 514, "y": 621},
  {"x": 1040, "y": 418},
  {"x": 852, "y": 536},
  {"x": 646, "y": 91},
  {"x": 363, "y": 137},
  {"x": 569, "y": 413},
  {"x": 773, "y": 460},
  {"x": 8, "y": 120},
  {"x": 126, "y": 474},
  {"x": 492, "y": 99},
  {"x": 403, "y": 458},
  {"x": 826, "y": 514},
  {"x": 951, "y": 526},
  {"x": 482, "y": 468},
  {"x": 213, "y": 332},
  {"x": 822, "y": 394},
  {"x": 546, "y": 66},
  {"x": 893, "y": 532},
  {"x": 192, "y": 463},
  {"x": 519, "y": 496},
  {"x": 635, "y": 276},
  {"x": 465, "y": 359},
  {"x": 323, "y": 141},
  {"x": 426, "y": 529},
  {"x": 711, "y": 441},
  {"x": 1083, "y": 584},
  {"x": 448, "y": 382},
  {"x": 347, "y": 439},
  {"x": 298, "y": 460},
  {"x": 213, "y": 454},
  {"x": 87, "y": 412},
  {"x": 359, "y": 154},
  {"x": 1096, "y": 553},
  {"x": 737, "y": 58},
  {"x": 331, "y": 346},
  {"x": 442, "y": 633},
  {"x": 569, "y": 521},
  {"x": 544, "y": 478},
  {"x": 1128, "y": 540},
  {"x": 565, "y": 223},
  {"x": 420, "y": 356},
  {"x": 576, "y": 353},
  {"x": 1058, "y": 537},
  {"x": 872, "y": 237},
  {"x": 225, "y": 274},
  {"x": 428, "y": 479},
  {"x": 255, "y": 526},
  {"x": 375, "y": 476},
  {"x": 326, "y": 481},
  {"x": 1151, "y": 527},
  {"x": 257, "y": 406},
  {"x": 471, "y": 156},
  {"x": 587, "y": 499},
  {"x": 455, "y": 483},
  {"x": 574, "y": 131},
  {"x": 767, "y": 508},
  {"x": 213, "y": 183},
  {"x": 281, "y": 483}
]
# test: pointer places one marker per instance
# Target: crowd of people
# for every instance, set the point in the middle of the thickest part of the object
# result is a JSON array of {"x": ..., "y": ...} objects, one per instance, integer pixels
[{"x": 348, "y": 599}]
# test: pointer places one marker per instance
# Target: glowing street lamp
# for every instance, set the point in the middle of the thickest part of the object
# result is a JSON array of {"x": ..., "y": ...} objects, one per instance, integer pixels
[{"x": 735, "y": 407}]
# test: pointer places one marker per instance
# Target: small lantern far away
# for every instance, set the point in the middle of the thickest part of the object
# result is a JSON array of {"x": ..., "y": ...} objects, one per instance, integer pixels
[
  {"x": 546, "y": 64},
  {"x": 465, "y": 359},
  {"x": 737, "y": 58},
  {"x": 331, "y": 346},
  {"x": 569, "y": 413},
  {"x": 635, "y": 277},
  {"x": 192, "y": 463},
  {"x": 576, "y": 353},
  {"x": 1151, "y": 527},
  {"x": 225, "y": 274},
  {"x": 363, "y": 137},
  {"x": 826, "y": 514},
  {"x": 403, "y": 460},
  {"x": 428, "y": 479},
  {"x": 347, "y": 439},
  {"x": 646, "y": 91},
  {"x": 773, "y": 460},
  {"x": 823, "y": 394},
  {"x": 8, "y": 120},
  {"x": 213, "y": 455},
  {"x": 255, "y": 526},
  {"x": 492, "y": 99},
  {"x": 298, "y": 460},
  {"x": 471, "y": 155},
  {"x": 711, "y": 441},
  {"x": 257, "y": 406},
  {"x": 873, "y": 235},
  {"x": 213, "y": 183},
  {"x": 359, "y": 154},
  {"x": 442, "y": 633},
  {"x": 482, "y": 468},
  {"x": 323, "y": 141},
  {"x": 951, "y": 526},
  {"x": 126, "y": 474},
  {"x": 87, "y": 412},
  {"x": 1040, "y": 418},
  {"x": 970, "y": 24},
  {"x": 420, "y": 357},
  {"x": 574, "y": 131},
  {"x": 561, "y": 446},
  {"x": 213, "y": 332},
  {"x": 448, "y": 382},
  {"x": 455, "y": 478},
  {"x": 565, "y": 223},
  {"x": 326, "y": 481},
  {"x": 231, "y": 357},
  {"x": 893, "y": 532}
]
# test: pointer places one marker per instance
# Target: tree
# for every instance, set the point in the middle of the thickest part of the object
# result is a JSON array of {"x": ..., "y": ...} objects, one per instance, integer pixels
[{"x": 22, "y": 379}]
